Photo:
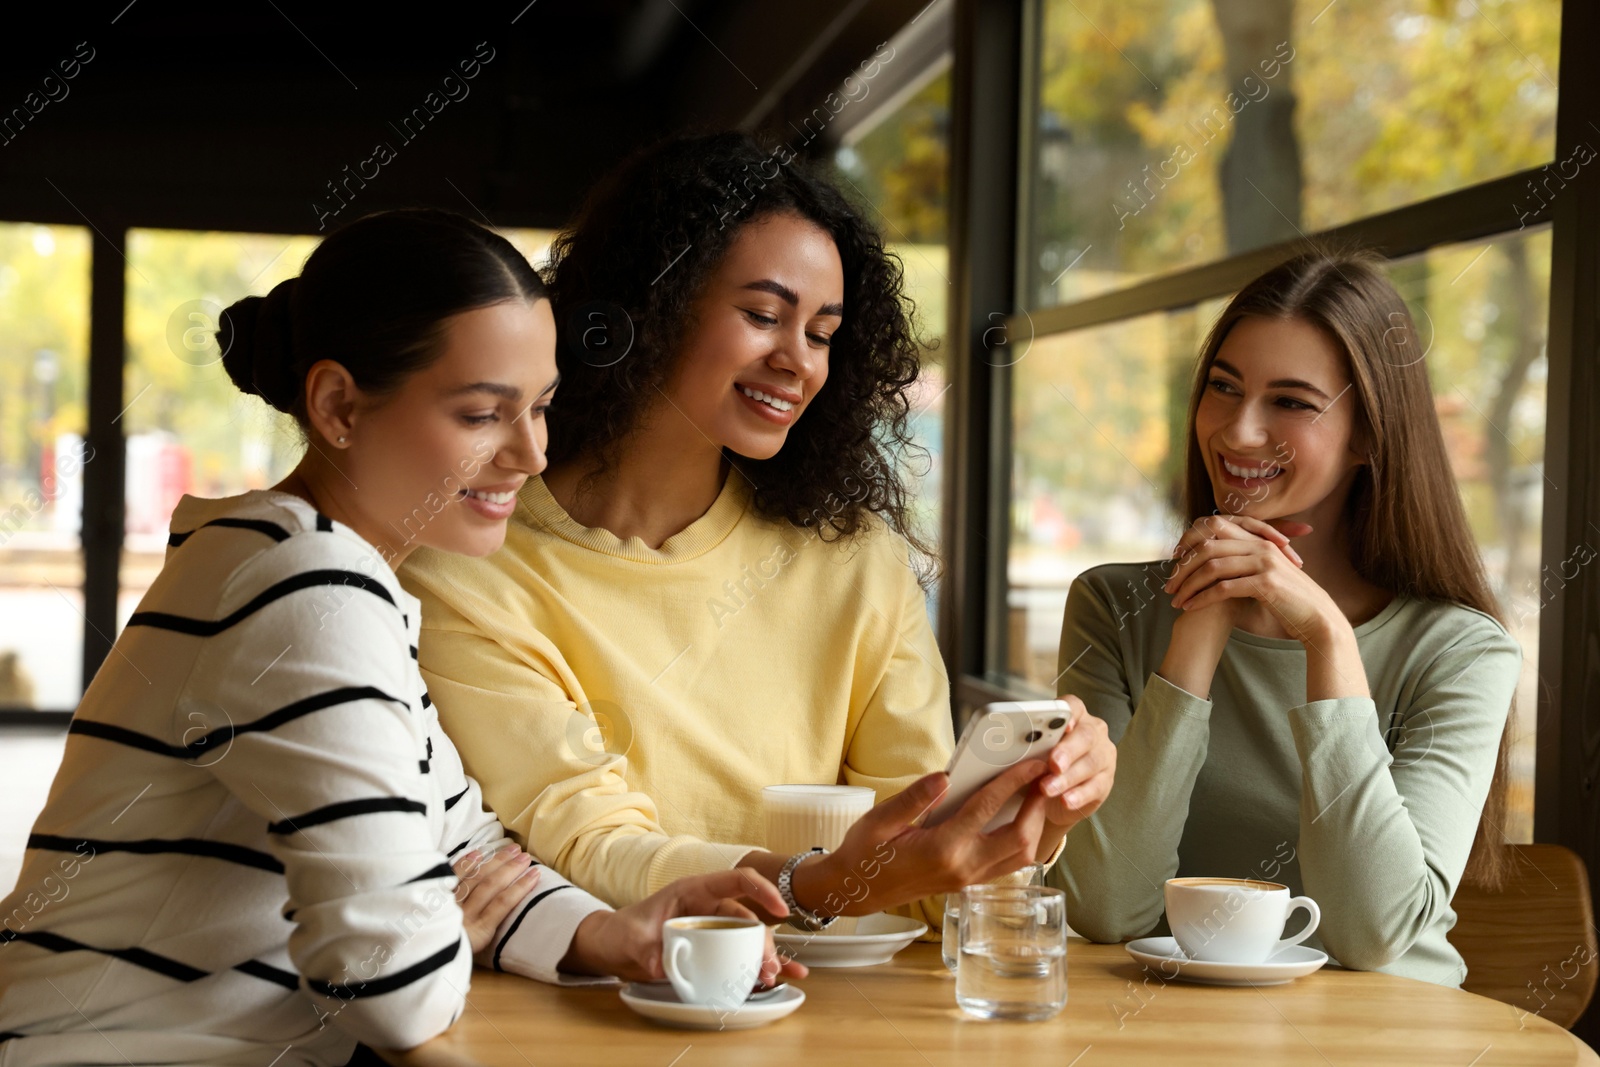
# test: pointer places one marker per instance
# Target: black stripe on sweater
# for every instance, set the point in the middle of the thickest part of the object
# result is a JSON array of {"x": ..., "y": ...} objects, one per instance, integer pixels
[
  {"x": 276, "y": 975},
  {"x": 398, "y": 980},
  {"x": 139, "y": 957},
  {"x": 162, "y": 620},
  {"x": 271, "y": 529},
  {"x": 512, "y": 929},
  {"x": 222, "y": 735},
  {"x": 344, "y": 809},
  {"x": 426, "y": 765},
  {"x": 427, "y": 701},
  {"x": 324, "y": 523},
  {"x": 152, "y": 961},
  {"x": 458, "y": 848},
  {"x": 156, "y": 846},
  {"x": 451, "y": 802},
  {"x": 442, "y": 870}
]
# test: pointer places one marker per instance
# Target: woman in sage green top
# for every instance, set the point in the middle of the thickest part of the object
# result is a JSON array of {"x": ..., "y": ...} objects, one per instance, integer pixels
[{"x": 1314, "y": 689}]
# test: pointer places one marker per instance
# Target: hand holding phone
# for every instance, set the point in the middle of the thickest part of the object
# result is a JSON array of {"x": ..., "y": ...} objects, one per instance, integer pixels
[
  {"x": 999, "y": 736},
  {"x": 1001, "y": 776}
]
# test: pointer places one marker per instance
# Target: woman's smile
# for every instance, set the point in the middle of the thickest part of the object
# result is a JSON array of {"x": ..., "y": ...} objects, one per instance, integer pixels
[
  {"x": 1238, "y": 473},
  {"x": 494, "y": 502},
  {"x": 777, "y": 405}
]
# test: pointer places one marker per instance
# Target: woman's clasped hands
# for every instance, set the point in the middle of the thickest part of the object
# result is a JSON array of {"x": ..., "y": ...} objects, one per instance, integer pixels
[{"x": 1226, "y": 561}]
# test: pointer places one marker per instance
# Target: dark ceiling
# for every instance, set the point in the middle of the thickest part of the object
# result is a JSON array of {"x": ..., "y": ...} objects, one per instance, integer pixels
[{"x": 237, "y": 116}]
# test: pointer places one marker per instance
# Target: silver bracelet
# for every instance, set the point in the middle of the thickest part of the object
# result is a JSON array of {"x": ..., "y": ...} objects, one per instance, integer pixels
[{"x": 804, "y": 918}]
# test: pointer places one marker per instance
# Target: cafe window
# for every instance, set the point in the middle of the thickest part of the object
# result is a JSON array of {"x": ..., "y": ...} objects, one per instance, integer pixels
[
  {"x": 897, "y": 168},
  {"x": 1175, "y": 132},
  {"x": 44, "y": 344},
  {"x": 1382, "y": 120},
  {"x": 1097, "y": 467},
  {"x": 1482, "y": 309},
  {"x": 188, "y": 428}
]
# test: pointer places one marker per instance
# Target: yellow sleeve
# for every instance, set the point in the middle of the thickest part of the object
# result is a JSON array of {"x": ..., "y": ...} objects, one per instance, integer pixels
[
  {"x": 903, "y": 729},
  {"x": 525, "y": 733}
]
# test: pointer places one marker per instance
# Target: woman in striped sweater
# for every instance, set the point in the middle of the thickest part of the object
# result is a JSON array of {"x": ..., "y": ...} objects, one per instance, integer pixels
[{"x": 260, "y": 847}]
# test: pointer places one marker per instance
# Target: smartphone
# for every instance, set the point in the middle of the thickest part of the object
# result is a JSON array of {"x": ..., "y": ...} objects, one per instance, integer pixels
[{"x": 999, "y": 736}]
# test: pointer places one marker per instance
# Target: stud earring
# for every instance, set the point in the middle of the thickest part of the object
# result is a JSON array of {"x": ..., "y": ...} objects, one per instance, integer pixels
[{"x": 342, "y": 439}]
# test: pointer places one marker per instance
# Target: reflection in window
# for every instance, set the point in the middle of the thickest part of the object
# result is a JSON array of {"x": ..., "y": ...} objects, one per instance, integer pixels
[
  {"x": 897, "y": 169},
  {"x": 1097, "y": 465},
  {"x": 44, "y": 344},
  {"x": 1175, "y": 132}
]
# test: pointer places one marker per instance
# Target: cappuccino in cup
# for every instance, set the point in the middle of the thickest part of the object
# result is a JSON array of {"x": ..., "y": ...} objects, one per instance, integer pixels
[{"x": 1234, "y": 920}]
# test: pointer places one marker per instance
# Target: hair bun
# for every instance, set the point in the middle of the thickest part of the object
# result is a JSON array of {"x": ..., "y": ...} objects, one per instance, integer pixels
[{"x": 256, "y": 336}]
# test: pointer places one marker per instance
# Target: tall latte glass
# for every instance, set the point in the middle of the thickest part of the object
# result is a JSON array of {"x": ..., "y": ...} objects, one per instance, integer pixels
[{"x": 801, "y": 817}]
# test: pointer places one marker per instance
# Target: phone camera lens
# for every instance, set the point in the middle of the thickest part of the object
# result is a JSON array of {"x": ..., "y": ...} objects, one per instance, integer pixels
[
  {"x": 1057, "y": 723},
  {"x": 1031, "y": 736}
]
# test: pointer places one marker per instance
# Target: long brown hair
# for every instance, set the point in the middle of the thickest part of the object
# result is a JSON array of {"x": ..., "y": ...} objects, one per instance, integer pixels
[{"x": 1404, "y": 523}]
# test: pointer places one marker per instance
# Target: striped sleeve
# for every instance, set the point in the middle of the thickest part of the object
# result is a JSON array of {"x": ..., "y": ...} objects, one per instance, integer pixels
[
  {"x": 300, "y": 695},
  {"x": 537, "y": 933}
]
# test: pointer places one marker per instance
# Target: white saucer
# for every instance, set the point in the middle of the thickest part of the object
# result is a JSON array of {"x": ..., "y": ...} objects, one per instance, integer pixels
[
  {"x": 876, "y": 940},
  {"x": 657, "y": 1001},
  {"x": 1162, "y": 955}
]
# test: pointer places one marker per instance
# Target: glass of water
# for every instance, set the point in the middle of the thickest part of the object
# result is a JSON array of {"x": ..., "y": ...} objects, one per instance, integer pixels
[
  {"x": 1013, "y": 952},
  {"x": 950, "y": 942}
]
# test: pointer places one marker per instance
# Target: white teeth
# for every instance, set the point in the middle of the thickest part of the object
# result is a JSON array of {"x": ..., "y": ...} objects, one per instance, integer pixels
[
  {"x": 771, "y": 401},
  {"x": 493, "y": 498},
  {"x": 1251, "y": 472}
]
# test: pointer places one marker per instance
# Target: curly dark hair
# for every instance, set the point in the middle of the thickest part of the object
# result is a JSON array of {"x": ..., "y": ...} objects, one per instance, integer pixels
[{"x": 623, "y": 280}]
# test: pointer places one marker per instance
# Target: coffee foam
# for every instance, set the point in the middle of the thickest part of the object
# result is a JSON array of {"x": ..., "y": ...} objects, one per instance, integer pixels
[
  {"x": 696, "y": 923},
  {"x": 1227, "y": 883}
]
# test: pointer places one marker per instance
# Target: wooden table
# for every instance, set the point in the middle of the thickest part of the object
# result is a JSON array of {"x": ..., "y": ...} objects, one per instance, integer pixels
[{"x": 904, "y": 1013}]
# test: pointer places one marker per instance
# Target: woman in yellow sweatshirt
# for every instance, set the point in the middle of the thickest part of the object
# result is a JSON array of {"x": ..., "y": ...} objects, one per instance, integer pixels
[{"x": 712, "y": 588}]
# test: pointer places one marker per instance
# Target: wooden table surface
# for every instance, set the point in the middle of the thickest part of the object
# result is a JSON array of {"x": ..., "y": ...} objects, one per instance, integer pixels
[{"x": 904, "y": 1013}]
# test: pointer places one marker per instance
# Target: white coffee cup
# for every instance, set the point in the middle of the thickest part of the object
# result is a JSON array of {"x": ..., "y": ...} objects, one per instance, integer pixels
[
  {"x": 1234, "y": 920},
  {"x": 713, "y": 960}
]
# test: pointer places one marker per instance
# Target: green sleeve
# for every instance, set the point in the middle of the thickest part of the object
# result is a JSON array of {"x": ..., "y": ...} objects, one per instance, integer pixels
[
  {"x": 1117, "y": 861},
  {"x": 1385, "y": 836}
]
